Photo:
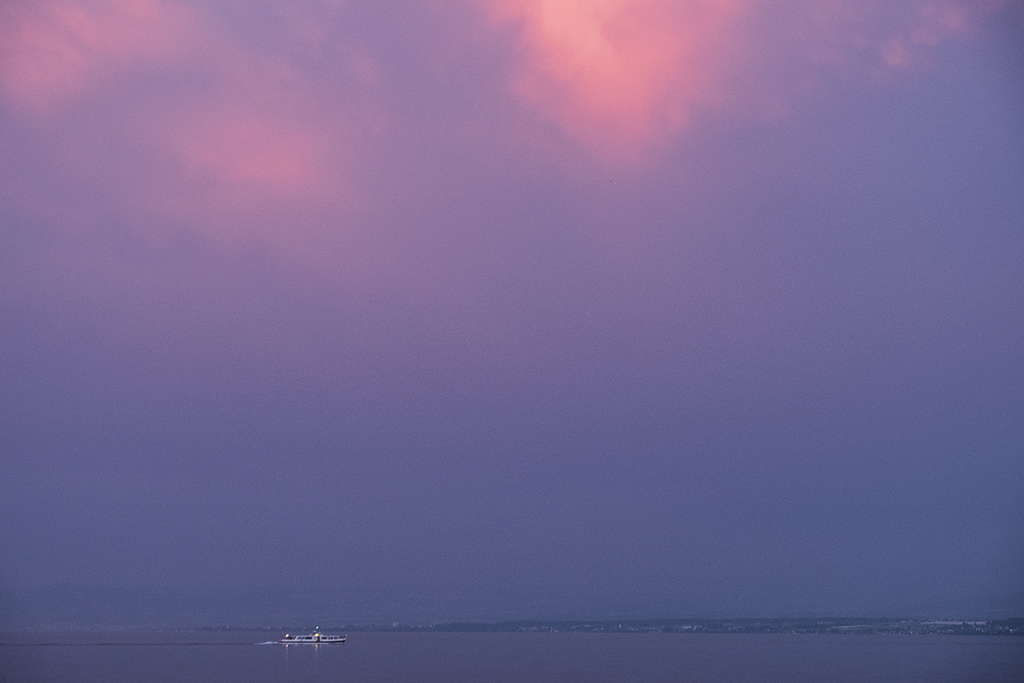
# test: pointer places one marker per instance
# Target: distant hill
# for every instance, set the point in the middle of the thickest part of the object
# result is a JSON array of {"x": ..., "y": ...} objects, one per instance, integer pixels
[{"x": 975, "y": 607}]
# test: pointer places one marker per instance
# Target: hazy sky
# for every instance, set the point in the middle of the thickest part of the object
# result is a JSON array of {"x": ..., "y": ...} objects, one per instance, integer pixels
[{"x": 600, "y": 305}]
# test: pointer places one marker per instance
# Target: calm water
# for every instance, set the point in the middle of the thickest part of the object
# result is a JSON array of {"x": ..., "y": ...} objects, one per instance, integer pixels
[{"x": 497, "y": 657}]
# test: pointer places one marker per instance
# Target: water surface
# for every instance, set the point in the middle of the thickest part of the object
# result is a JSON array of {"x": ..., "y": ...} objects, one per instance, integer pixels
[{"x": 234, "y": 657}]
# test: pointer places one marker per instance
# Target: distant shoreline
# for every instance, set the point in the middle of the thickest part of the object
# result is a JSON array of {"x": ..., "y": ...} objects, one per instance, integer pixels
[
  {"x": 855, "y": 625},
  {"x": 852, "y": 625}
]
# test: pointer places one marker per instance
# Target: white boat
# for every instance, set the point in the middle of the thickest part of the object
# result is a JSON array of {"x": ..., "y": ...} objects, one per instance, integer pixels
[{"x": 315, "y": 638}]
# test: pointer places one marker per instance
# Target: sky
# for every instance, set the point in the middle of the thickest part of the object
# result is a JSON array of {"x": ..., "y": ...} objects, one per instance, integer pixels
[{"x": 516, "y": 308}]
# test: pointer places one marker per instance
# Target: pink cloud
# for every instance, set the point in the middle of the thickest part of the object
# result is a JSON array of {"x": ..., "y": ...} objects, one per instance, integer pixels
[
  {"x": 53, "y": 50},
  {"x": 934, "y": 22},
  {"x": 250, "y": 150},
  {"x": 233, "y": 144},
  {"x": 891, "y": 35},
  {"x": 621, "y": 77},
  {"x": 624, "y": 72},
  {"x": 271, "y": 127}
]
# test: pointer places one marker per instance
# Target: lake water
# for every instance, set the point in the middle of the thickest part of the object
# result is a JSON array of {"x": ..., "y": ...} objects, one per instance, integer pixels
[{"x": 234, "y": 657}]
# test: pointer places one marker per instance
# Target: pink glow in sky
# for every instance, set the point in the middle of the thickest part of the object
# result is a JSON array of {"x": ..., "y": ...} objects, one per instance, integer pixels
[
  {"x": 619, "y": 74},
  {"x": 243, "y": 124},
  {"x": 54, "y": 50},
  {"x": 214, "y": 155},
  {"x": 622, "y": 75}
]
